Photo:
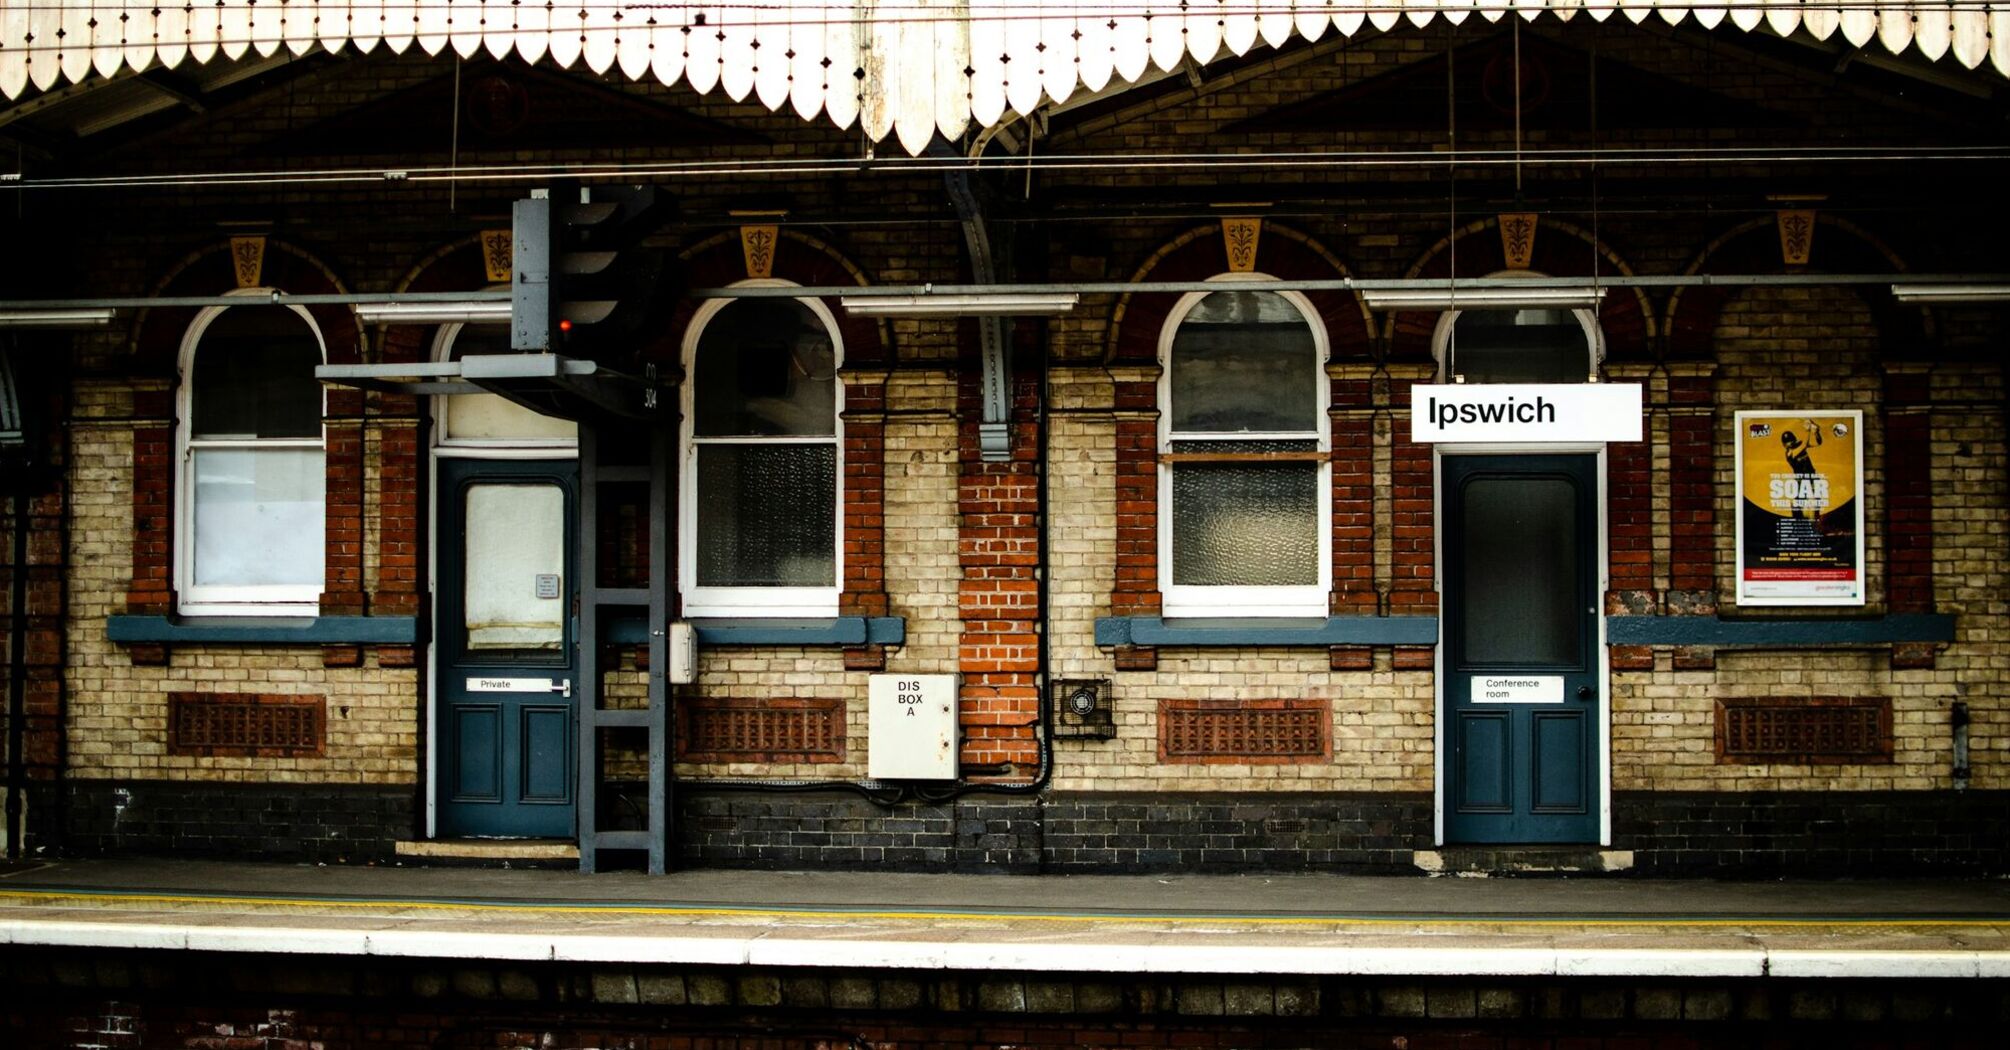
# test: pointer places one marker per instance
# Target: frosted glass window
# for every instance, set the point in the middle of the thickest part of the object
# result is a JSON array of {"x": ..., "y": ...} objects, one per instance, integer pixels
[
  {"x": 492, "y": 418},
  {"x": 1246, "y": 524},
  {"x": 515, "y": 568},
  {"x": 1519, "y": 346},
  {"x": 1244, "y": 362},
  {"x": 1245, "y": 462},
  {"x": 258, "y": 517},
  {"x": 764, "y": 467},
  {"x": 768, "y": 517}
]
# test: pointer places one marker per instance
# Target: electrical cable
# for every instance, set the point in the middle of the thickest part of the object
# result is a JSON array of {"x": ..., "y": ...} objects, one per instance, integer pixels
[{"x": 1126, "y": 162}]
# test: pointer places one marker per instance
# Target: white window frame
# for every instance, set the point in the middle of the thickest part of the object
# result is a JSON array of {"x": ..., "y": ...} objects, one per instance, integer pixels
[
  {"x": 726, "y": 602},
  {"x": 1441, "y": 335},
  {"x": 1309, "y": 600},
  {"x": 444, "y": 443},
  {"x": 259, "y": 600}
]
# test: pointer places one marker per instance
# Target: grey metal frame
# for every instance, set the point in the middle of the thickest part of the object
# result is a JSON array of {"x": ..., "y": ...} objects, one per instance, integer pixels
[{"x": 595, "y": 603}]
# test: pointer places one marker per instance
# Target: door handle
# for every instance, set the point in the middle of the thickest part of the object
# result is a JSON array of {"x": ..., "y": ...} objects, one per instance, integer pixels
[
  {"x": 1583, "y": 692},
  {"x": 564, "y": 688}
]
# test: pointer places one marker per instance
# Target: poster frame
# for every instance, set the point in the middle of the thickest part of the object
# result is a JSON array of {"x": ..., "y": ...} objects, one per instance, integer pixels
[{"x": 1740, "y": 421}]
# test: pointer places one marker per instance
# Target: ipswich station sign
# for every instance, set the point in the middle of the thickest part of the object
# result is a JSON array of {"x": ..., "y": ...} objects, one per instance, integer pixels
[{"x": 1526, "y": 413}]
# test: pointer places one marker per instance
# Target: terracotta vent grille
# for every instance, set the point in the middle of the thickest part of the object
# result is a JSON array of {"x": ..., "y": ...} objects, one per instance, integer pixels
[
  {"x": 1820, "y": 730},
  {"x": 741, "y": 729},
  {"x": 1246, "y": 731},
  {"x": 254, "y": 725}
]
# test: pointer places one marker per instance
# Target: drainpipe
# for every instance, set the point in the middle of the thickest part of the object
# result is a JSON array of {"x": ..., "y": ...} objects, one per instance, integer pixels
[
  {"x": 994, "y": 436},
  {"x": 16, "y": 460},
  {"x": 1959, "y": 719},
  {"x": 17, "y": 671}
]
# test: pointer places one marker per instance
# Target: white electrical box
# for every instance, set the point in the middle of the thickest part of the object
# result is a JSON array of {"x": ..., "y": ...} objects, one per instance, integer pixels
[
  {"x": 912, "y": 730},
  {"x": 683, "y": 646}
]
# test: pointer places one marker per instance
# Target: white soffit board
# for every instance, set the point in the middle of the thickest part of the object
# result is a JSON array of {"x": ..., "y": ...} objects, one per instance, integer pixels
[{"x": 906, "y": 67}]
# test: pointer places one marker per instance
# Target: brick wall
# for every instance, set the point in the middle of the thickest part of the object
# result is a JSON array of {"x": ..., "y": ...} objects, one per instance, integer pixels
[
  {"x": 1816, "y": 348},
  {"x": 118, "y": 709},
  {"x": 955, "y": 531}
]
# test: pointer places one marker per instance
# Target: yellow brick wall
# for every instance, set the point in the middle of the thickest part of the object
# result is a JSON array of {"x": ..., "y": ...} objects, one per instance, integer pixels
[
  {"x": 1816, "y": 348},
  {"x": 1382, "y": 720},
  {"x": 921, "y": 580},
  {"x": 118, "y": 712}
]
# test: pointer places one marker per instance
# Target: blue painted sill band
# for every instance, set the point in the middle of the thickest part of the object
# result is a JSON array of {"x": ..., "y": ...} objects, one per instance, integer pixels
[
  {"x": 1309, "y": 631},
  {"x": 836, "y": 630},
  {"x": 1801, "y": 633},
  {"x": 264, "y": 630}
]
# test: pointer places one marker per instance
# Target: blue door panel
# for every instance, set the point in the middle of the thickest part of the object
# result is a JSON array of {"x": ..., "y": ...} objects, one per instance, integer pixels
[
  {"x": 547, "y": 755},
  {"x": 477, "y": 755},
  {"x": 1559, "y": 784},
  {"x": 1485, "y": 740}
]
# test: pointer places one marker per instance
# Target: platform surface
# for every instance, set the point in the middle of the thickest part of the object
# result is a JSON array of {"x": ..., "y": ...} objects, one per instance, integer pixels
[{"x": 1275, "y": 924}]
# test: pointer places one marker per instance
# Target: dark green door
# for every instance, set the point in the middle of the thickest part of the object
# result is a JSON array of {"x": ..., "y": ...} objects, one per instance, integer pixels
[
  {"x": 506, "y": 654},
  {"x": 1522, "y": 683}
]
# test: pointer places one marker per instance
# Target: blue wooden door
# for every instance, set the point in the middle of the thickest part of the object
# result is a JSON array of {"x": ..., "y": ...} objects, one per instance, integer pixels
[
  {"x": 506, "y": 688},
  {"x": 1522, "y": 684}
]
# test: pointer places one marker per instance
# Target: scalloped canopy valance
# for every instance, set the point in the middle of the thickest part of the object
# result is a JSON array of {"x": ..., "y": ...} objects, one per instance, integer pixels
[{"x": 909, "y": 68}]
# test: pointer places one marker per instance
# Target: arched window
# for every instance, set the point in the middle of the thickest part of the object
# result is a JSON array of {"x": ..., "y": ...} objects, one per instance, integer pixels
[
  {"x": 473, "y": 421},
  {"x": 253, "y": 466},
  {"x": 1243, "y": 440},
  {"x": 762, "y": 467},
  {"x": 1518, "y": 346}
]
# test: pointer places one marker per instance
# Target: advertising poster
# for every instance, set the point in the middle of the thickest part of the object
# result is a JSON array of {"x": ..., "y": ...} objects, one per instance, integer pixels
[{"x": 1800, "y": 508}]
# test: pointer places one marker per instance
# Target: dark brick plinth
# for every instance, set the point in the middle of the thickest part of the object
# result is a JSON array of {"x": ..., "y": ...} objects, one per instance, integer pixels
[
  {"x": 1061, "y": 832},
  {"x": 314, "y": 822},
  {"x": 1825, "y": 834}
]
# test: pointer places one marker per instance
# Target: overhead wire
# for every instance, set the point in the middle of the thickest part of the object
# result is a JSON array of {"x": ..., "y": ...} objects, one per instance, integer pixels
[{"x": 1126, "y": 161}]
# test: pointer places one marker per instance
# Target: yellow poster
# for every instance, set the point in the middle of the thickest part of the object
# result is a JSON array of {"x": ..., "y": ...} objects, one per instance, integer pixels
[{"x": 1800, "y": 511}]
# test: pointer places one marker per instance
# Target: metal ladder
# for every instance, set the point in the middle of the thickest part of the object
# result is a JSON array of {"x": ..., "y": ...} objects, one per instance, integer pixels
[{"x": 599, "y": 609}]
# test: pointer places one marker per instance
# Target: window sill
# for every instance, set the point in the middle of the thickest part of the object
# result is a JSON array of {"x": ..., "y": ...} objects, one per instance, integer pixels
[
  {"x": 1798, "y": 633},
  {"x": 1266, "y": 631},
  {"x": 263, "y": 630},
  {"x": 813, "y": 631}
]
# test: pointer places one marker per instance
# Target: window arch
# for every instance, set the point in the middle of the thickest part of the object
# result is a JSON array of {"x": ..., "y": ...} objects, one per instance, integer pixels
[
  {"x": 484, "y": 420},
  {"x": 251, "y": 491},
  {"x": 1244, "y": 474},
  {"x": 762, "y": 463},
  {"x": 1540, "y": 345}
]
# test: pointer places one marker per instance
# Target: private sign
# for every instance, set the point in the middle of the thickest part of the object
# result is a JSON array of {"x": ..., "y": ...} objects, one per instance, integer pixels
[{"x": 1533, "y": 413}]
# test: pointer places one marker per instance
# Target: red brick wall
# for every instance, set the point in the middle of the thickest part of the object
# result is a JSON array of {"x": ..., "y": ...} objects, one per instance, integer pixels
[
  {"x": 1353, "y": 497},
  {"x": 997, "y": 506},
  {"x": 1908, "y": 493}
]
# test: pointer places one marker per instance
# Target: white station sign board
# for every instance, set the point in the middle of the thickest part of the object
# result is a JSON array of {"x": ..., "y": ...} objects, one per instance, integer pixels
[{"x": 1526, "y": 413}]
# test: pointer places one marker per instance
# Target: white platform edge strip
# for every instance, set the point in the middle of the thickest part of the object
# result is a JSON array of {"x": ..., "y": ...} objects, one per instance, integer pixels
[{"x": 972, "y": 952}]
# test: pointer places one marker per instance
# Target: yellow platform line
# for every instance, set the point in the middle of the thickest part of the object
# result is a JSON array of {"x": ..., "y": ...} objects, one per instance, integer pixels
[{"x": 57, "y": 897}]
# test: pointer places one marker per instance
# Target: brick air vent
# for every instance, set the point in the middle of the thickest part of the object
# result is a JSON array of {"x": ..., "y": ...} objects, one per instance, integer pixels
[
  {"x": 741, "y": 729},
  {"x": 1821, "y": 730},
  {"x": 249, "y": 725},
  {"x": 1248, "y": 731}
]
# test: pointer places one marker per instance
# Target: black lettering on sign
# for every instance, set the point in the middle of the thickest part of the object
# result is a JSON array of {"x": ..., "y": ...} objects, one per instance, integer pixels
[{"x": 908, "y": 695}]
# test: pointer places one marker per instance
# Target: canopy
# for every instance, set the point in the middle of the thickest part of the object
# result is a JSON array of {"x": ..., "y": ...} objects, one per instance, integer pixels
[{"x": 911, "y": 68}]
